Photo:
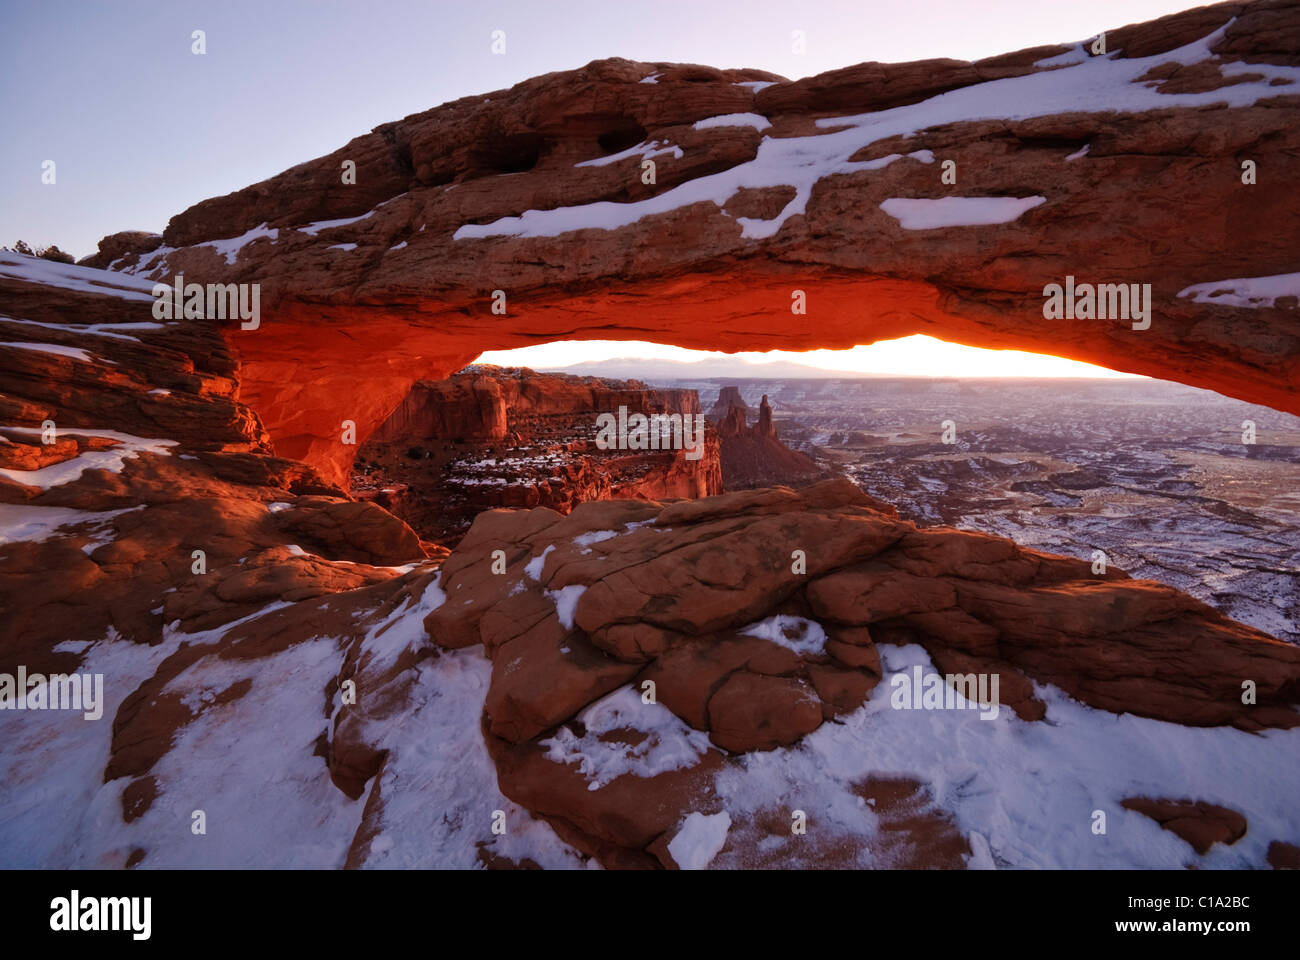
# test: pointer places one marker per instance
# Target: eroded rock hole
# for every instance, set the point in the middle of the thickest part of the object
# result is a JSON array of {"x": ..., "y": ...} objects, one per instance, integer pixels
[
  {"x": 515, "y": 153},
  {"x": 627, "y": 133}
]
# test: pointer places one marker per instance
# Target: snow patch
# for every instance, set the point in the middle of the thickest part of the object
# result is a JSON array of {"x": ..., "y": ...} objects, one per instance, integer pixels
[
  {"x": 73, "y": 646},
  {"x": 669, "y": 743},
  {"x": 57, "y": 474},
  {"x": 566, "y": 602},
  {"x": 699, "y": 840},
  {"x": 998, "y": 779},
  {"x": 917, "y": 214},
  {"x": 314, "y": 228},
  {"x": 755, "y": 120},
  {"x": 440, "y": 786},
  {"x": 535, "y": 565},
  {"x": 19, "y": 521},
  {"x": 794, "y": 633},
  {"x": 112, "y": 330},
  {"x": 1250, "y": 292},
  {"x": 58, "y": 350},
  {"x": 1075, "y": 55},
  {"x": 230, "y": 247},
  {"x": 644, "y": 150},
  {"x": 17, "y": 266}
]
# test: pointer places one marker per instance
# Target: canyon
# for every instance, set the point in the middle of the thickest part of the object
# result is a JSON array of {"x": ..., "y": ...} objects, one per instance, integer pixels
[
  {"x": 1157, "y": 476},
  {"x": 488, "y": 438}
]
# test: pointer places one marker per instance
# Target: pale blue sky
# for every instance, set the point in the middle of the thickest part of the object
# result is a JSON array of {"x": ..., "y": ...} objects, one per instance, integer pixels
[{"x": 140, "y": 128}]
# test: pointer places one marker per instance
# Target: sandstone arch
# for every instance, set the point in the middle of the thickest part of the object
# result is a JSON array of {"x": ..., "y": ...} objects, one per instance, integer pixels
[{"x": 1137, "y": 155}]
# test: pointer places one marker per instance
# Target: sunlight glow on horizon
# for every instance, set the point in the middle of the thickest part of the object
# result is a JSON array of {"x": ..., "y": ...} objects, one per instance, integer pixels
[{"x": 914, "y": 356}]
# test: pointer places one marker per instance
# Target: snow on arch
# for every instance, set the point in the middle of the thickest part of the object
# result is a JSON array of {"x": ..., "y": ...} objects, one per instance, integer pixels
[
  {"x": 1251, "y": 292},
  {"x": 755, "y": 120},
  {"x": 1079, "y": 84},
  {"x": 930, "y": 214}
]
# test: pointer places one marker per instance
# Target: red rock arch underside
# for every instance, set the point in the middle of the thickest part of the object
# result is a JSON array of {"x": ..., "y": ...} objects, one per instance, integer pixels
[{"x": 1138, "y": 157}]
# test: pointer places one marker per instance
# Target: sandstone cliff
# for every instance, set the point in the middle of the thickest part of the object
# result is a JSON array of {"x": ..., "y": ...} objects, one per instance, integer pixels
[
  {"x": 490, "y": 437},
  {"x": 753, "y": 456}
]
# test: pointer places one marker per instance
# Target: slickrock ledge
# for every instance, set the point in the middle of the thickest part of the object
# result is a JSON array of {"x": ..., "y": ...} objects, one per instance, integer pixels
[{"x": 698, "y": 598}]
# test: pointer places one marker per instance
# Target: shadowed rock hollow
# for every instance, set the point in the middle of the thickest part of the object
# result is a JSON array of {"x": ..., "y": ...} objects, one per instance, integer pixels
[{"x": 763, "y": 187}]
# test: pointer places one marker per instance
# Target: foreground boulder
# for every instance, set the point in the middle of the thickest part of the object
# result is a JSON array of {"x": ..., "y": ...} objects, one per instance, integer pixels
[
  {"x": 1201, "y": 824},
  {"x": 695, "y": 632}
]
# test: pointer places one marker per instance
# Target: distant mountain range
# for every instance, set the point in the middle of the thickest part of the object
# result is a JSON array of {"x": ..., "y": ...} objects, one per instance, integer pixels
[{"x": 710, "y": 368}]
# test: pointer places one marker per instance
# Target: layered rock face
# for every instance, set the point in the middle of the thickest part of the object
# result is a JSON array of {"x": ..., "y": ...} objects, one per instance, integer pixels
[
  {"x": 489, "y": 404},
  {"x": 755, "y": 456},
  {"x": 936, "y": 197},
  {"x": 152, "y": 457},
  {"x": 142, "y": 517},
  {"x": 514, "y": 438}
]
